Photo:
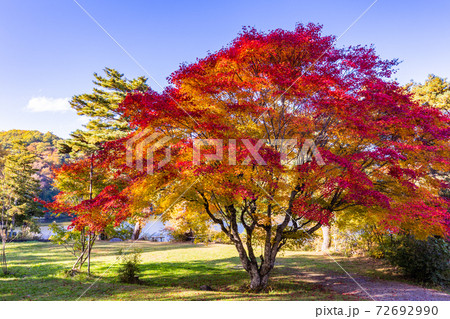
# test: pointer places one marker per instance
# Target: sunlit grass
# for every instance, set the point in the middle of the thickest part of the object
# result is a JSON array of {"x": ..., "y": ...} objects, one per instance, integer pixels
[{"x": 169, "y": 272}]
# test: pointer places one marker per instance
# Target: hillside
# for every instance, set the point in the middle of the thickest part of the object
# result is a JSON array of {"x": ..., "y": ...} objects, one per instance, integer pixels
[
  {"x": 43, "y": 145},
  {"x": 37, "y": 139}
]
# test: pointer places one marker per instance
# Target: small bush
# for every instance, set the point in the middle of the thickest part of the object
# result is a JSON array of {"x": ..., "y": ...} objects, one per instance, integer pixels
[
  {"x": 129, "y": 268},
  {"x": 422, "y": 260},
  {"x": 123, "y": 231},
  {"x": 72, "y": 240},
  {"x": 178, "y": 235}
]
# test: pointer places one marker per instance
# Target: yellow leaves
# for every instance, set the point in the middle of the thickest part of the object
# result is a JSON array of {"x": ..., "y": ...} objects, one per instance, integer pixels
[
  {"x": 435, "y": 92},
  {"x": 183, "y": 219},
  {"x": 263, "y": 219}
]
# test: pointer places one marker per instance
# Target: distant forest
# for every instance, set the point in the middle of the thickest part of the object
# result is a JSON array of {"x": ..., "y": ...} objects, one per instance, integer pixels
[{"x": 44, "y": 146}]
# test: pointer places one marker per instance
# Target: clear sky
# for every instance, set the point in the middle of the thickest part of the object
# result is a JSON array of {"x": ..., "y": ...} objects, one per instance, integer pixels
[{"x": 50, "y": 48}]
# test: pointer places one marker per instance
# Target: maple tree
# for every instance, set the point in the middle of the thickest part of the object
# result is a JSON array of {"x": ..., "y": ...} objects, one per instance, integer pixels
[
  {"x": 93, "y": 202},
  {"x": 184, "y": 225},
  {"x": 81, "y": 181},
  {"x": 377, "y": 145},
  {"x": 105, "y": 120}
]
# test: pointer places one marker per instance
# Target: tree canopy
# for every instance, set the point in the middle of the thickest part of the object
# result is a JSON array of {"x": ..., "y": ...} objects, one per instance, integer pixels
[
  {"x": 19, "y": 187},
  {"x": 241, "y": 107},
  {"x": 434, "y": 92},
  {"x": 44, "y": 148},
  {"x": 82, "y": 181}
]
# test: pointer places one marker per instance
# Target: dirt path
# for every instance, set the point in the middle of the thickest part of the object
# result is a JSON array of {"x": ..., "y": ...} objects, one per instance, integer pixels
[{"x": 378, "y": 289}]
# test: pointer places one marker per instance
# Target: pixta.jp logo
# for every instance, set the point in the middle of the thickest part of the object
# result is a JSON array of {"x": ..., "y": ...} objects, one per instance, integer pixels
[
  {"x": 141, "y": 147},
  {"x": 290, "y": 155}
]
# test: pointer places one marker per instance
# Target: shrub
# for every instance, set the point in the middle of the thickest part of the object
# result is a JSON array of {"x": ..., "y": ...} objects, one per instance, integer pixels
[
  {"x": 179, "y": 235},
  {"x": 129, "y": 268},
  {"x": 69, "y": 239},
  {"x": 123, "y": 231},
  {"x": 422, "y": 260}
]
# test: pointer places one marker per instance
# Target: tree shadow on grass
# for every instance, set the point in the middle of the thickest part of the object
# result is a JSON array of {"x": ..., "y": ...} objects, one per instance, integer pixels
[
  {"x": 37, "y": 252},
  {"x": 106, "y": 248},
  {"x": 366, "y": 266},
  {"x": 194, "y": 274},
  {"x": 164, "y": 281},
  {"x": 65, "y": 289},
  {"x": 190, "y": 275}
]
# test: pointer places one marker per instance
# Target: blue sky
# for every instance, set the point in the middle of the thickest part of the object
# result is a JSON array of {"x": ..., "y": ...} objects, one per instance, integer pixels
[{"x": 50, "y": 48}]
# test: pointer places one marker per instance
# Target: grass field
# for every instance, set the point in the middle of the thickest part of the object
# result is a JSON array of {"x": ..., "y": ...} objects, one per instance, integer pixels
[{"x": 169, "y": 272}]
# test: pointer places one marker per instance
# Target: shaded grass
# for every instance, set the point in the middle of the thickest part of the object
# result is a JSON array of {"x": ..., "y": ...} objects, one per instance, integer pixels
[
  {"x": 362, "y": 265},
  {"x": 169, "y": 272}
]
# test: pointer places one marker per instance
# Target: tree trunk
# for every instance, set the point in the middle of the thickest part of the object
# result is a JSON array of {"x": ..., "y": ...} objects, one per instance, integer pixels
[
  {"x": 83, "y": 240},
  {"x": 326, "y": 239},
  {"x": 3, "y": 234},
  {"x": 91, "y": 175},
  {"x": 89, "y": 255},
  {"x": 137, "y": 230},
  {"x": 259, "y": 274},
  {"x": 258, "y": 282},
  {"x": 4, "y": 262},
  {"x": 80, "y": 260}
]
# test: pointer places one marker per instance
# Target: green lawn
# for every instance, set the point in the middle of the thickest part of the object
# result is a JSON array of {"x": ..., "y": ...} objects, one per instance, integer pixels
[{"x": 170, "y": 272}]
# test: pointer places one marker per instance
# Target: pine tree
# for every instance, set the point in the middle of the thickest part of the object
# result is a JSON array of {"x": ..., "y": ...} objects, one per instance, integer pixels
[
  {"x": 105, "y": 124},
  {"x": 18, "y": 189},
  {"x": 101, "y": 106},
  {"x": 434, "y": 92}
]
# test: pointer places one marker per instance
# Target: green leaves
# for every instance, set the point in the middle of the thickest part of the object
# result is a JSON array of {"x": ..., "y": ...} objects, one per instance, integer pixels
[
  {"x": 101, "y": 106},
  {"x": 18, "y": 187}
]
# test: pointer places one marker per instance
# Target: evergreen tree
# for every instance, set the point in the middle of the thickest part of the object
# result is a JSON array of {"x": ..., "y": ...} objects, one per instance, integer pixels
[
  {"x": 105, "y": 124},
  {"x": 19, "y": 187},
  {"x": 434, "y": 92},
  {"x": 101, "y": 106}
]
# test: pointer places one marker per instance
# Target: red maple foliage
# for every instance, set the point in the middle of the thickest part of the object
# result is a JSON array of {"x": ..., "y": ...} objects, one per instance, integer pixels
[{"x": 380, "y": 148}]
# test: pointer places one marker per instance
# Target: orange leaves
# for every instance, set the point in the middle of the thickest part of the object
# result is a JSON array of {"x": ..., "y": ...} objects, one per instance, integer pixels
[
  {"x": 376, "y": 142},
  {"x": 378, "y": 146}
]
